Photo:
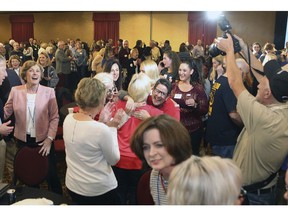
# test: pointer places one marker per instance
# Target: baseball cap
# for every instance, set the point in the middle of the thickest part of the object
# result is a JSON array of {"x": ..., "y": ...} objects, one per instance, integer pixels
[{"x": 278, "y": 80}]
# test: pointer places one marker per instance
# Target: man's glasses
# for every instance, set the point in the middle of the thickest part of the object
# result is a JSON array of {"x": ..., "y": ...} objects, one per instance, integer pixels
[{"x": 157, "y": 91}]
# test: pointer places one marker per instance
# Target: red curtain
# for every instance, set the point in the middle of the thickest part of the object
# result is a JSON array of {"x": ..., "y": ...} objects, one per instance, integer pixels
[
  {"x": 106, "y": 26},
  {"x": 201, "y": 28},
  {"x": 22, "y": 27}
]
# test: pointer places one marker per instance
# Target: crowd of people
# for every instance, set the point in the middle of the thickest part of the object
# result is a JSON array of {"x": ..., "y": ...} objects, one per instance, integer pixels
[{"x": 142, "y": 114}]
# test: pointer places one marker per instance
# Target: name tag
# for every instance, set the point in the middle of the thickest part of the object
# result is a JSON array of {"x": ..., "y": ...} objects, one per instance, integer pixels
[{"x": 178, "y": 96}]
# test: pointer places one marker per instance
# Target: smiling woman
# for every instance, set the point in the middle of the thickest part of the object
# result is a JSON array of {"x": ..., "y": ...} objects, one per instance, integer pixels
[
  {"x": 36, "y": 114},
  {"x": 162, "y": 142}
]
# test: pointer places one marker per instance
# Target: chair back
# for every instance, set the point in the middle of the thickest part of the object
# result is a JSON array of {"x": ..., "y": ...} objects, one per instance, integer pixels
[{"x": 30, "y": 167}]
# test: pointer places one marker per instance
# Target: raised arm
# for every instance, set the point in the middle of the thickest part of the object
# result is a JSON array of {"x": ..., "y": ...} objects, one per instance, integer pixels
[
  {"x": 254, "y": 62},
  {"x": 233, "y": 72}
]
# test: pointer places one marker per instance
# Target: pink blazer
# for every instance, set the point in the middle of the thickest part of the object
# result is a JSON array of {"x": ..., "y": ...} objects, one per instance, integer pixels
[{"x": 46, "y": 112}]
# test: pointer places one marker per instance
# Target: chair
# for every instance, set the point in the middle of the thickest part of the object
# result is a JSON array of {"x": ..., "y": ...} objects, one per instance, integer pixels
[{"x": 30, "y": 167}]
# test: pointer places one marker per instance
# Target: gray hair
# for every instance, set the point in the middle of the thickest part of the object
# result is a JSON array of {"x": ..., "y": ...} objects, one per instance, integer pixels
[{"x": 205, "y": 181}]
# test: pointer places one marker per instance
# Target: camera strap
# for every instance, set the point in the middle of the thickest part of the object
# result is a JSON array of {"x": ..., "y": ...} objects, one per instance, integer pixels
[{"x": 249, "y": 63}]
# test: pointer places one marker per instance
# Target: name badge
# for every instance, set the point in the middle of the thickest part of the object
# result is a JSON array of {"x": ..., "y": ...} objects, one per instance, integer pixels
[{"x": 178, "y": 96}]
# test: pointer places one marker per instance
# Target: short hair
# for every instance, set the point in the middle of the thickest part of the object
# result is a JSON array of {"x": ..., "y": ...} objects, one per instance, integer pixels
[
  {"x": 147, "y": 51},
  {"x": 13, "y": 57},
  {"x": 90, "y": 93},
  {"x": 204, "y": 181},
  {"x": 268, "y": 47},
  {"x": 139, "y": 87},
  {"x": 173, "y": 134},
  {"x": 61, "y": 42},
  {"x": 164, "y": 82},
  {"x": 26, "y": 66},
  {"x": 106, "y": 79},
  {"x": 151, "y": 70},
  {"x": 256, "y": 43}
]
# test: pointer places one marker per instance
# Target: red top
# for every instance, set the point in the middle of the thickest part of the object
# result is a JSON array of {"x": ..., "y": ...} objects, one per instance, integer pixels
[
  {"x": 168, "y": 107},
  {"x": 128, "y": 160}
]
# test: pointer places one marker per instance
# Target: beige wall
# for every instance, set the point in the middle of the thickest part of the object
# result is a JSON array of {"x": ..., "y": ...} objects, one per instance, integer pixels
[
  {"x": 159, "y": 26},
  {"x": 64, "y": 25},
  {"x": 5, "y": 28},
  {"x": 253, "y": 26}
]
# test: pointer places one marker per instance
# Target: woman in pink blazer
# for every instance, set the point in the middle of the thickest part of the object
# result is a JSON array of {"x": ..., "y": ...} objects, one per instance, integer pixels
[{"x": 36, "y": 117}]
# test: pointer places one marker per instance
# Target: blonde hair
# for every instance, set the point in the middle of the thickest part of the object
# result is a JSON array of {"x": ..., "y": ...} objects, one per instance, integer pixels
[
  {"x": 106, "y": 79},
  {"x": 150, "y": 68},
  {"x": 268, "y": 57},
  {"x": 48, "y": 61},
  {"x": 205, "y": 181},
  {"x": 213, "y": 73},
  {"x": 90, "y": 93},
  {"x": 139, "y": 87}
]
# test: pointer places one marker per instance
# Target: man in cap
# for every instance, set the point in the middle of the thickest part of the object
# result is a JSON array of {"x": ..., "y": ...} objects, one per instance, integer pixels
[{"x": 263, "y": 143}]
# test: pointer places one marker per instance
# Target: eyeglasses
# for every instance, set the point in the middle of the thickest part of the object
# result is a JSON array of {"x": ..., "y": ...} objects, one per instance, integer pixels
[
  {"x": 111, "y": 91},
  {"x": 157, "y": 91}
]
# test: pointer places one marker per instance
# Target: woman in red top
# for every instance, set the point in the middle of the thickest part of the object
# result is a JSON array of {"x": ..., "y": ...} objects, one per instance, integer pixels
[{"x": 129, "y": 168}]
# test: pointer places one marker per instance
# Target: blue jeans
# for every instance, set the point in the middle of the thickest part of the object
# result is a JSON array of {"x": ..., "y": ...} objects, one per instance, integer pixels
[
  {"x": 223, "y": 151},
  {"x": 262, "y": 199}
]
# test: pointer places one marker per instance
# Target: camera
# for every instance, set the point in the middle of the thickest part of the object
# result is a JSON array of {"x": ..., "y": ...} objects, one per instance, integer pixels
[{"x": 225, "y": 26}]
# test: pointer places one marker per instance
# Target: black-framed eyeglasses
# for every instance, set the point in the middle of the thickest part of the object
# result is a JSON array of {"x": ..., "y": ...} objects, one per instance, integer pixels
[
  {"x": 111, "y": 91},
  {"x": 157, "y": 91}
]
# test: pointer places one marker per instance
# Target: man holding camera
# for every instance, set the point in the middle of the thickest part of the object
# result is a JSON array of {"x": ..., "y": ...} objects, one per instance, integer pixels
[{"x": 262, "y": 145}]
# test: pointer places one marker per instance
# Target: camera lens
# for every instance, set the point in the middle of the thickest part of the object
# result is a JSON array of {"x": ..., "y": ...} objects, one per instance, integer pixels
[{"x": 214, "y": 51}]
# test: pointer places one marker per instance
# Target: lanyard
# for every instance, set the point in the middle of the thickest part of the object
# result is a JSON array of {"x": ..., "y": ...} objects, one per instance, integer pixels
[{"x": 32, "y": 116}]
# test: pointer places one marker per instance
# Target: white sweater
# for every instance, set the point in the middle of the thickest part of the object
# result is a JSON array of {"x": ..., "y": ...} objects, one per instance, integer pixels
[{"x": 91, "y": 148}]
